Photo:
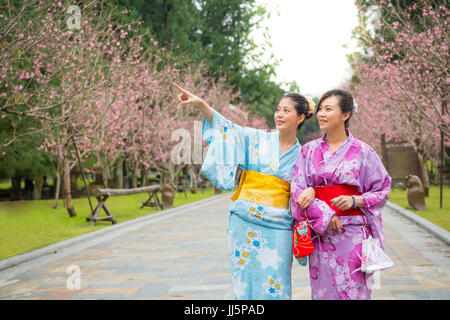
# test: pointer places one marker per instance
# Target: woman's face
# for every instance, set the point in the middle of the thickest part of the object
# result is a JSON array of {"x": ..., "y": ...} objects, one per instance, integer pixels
[
  {"x": 329, "y": 114},
  {"x": 286, "y": 116}
]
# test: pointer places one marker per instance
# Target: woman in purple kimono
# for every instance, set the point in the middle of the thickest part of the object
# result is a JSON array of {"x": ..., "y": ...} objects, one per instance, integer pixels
[{"x": 351, "y": 188}]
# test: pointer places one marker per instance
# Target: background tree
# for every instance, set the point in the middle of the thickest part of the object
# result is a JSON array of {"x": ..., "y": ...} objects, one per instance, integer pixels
[
  {"x": 216, "y": 33},
  {"x": 401, "y": 74}
]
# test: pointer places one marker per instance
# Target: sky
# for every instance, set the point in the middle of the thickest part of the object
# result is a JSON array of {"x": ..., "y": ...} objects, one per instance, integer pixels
[{"x": 308, "y": 37}]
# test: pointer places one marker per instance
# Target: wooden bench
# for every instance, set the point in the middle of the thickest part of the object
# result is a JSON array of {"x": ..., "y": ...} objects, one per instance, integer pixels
[{"x": 103, "y": 194}]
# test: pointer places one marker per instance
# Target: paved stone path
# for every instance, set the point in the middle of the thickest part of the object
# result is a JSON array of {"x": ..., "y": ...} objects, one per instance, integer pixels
[{"x": 186, "y": 257}]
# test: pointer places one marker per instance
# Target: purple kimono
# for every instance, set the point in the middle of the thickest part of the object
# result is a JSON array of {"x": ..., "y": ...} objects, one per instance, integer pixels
[{"x": 334, "y": 267}]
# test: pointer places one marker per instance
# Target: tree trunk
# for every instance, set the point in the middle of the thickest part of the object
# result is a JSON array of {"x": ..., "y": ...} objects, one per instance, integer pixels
[
  {"x": 38, "y": 183},
  {"x": 166, "y": 24},
  {"x": 118, "y": 175},
  {"x": 193, "y": 178},
  {"x": 424, "y": 171},
  {"x": 28, "y": 190},
  {"x": 105, "y": 177},
  {"x": 16, "y": 190},
  {"x": 177, "y": 182},
  {"x": 144, "y": 177},
  {"x": 135, "y": 174},
  {"x": 126, "y": 181},
  {"x": 99, "y": 179},
  {"x": 67, "y": 190},
  {"x": 57, "y": 189},
  {"x": 74, "y": 184}
]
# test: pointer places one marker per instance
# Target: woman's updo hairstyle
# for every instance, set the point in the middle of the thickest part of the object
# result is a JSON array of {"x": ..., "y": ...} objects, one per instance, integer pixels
[
  {"x": 346, "y": 102},
  {"x": 301, "y": 106}
]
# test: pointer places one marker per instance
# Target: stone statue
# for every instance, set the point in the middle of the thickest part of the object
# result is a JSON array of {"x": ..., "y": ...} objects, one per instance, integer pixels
[
  {"x": 168, "y": 194},
  {"x": 416, "y": 193}
]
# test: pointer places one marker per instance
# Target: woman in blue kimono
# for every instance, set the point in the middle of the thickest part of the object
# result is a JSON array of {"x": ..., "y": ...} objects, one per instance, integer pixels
[{"x": 260, "y": 223}]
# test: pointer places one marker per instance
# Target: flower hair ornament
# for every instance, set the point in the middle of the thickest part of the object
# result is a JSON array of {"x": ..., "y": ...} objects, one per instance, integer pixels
[
  {"x": 311, "y": 104},
  {"x": 355, "y": 106}
]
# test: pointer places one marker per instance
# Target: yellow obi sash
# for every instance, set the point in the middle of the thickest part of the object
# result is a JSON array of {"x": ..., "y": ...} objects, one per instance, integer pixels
[{"x": 263, "y": 189}]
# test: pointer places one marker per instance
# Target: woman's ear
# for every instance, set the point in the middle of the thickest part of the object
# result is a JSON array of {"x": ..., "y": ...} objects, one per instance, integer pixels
[
  {"x": 300, "y": 119},
  {"x": 347, "y": 115}
]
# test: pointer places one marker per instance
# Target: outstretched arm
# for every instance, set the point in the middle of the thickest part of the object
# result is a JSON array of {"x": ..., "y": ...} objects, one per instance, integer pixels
[{"x": 185, "y": 97}]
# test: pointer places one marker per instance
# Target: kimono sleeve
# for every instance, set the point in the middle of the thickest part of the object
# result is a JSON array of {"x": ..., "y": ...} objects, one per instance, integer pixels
[
  {"x": 226, "y": 151},
  {"x": 319, "y": 212},
  {"x": 376, "y": 184}
]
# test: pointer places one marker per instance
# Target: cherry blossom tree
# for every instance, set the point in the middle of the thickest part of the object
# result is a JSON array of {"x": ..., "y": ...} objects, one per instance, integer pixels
[
  {"x": 403, "y": 80},
  {"x": 96, "y": 87},
  {"x": 57, "y": 73}
]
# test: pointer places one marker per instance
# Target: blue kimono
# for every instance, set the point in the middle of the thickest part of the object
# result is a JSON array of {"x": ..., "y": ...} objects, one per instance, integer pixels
[{"x": 259, "y": 236}]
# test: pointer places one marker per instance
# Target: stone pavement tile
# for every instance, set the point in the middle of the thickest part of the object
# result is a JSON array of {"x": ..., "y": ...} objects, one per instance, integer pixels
[
  {"x": 220, "y": 280},
  {"x": 24, "y": 296},
  {"x": 435, "y": 285},
  {"x": 411, "y": 260},
  {"x": 31, "y": 274},
  {"x": 400, "y": 282},
  {"x": 221, "y": 274},
  {"x": 210, "y": 295},
  {"x": 167, "y": 297},
  {"x": 409, "y": 256},
  {"x": 111, "y": 290},
  {"x": 209, "y": 292},
  {"x": 402, "y": 288},
  {"x": 228, "y": 295},
  {"x": 99, "y": 274},
  {"x": 439, "y": 294},
  {"x": 92, "y": 281},
  {"x": 410, "y": 294},
  {"x": 112, "y": 266},
  {"x": 430, "y": 273},
  {"x": 11, "y": 285},
  {"x": 59, "y": 269},
  {"x": 200, "y": 288},
  {"x": 388, "y": 297},
  {"x": 392, "y": 274},
  {"x": 382, "y": 294},
  {"x": 154, "y": 290},
  {"x": 51, "y": 286},
  {"x": 116, "y": 296},
  {"x": 88, "y": 264},
  {"x": 94, "y": 253},
  {"x": 22, "y": 286},
  {"x": 197, "y": 276},
  {"x": 62, "y": 294},
  {"x": 141, "y": 278}
]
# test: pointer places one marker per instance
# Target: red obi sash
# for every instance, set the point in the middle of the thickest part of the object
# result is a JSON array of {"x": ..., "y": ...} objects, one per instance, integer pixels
[{"x": 327, "y": 193}]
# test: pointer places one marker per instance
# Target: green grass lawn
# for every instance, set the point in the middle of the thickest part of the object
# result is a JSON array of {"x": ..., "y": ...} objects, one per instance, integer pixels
[
  {"x": 440, "y": 217},
  {"x": 32, "y": 224}
]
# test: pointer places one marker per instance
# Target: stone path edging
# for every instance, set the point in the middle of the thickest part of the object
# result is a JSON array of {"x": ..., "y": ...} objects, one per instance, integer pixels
[{"x": 435, "y": 230}]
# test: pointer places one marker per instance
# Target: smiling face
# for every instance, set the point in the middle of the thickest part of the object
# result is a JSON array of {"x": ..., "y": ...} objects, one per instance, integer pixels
[
  {"x": 286, "y": 117},
  {"x": 329, "y": 114}
]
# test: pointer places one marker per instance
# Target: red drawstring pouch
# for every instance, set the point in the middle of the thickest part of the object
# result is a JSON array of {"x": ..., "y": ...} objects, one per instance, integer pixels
[{"x": 302, "y": 243}]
